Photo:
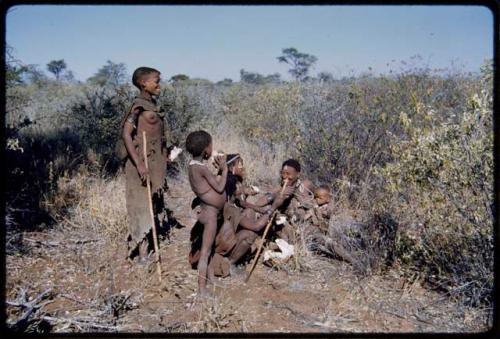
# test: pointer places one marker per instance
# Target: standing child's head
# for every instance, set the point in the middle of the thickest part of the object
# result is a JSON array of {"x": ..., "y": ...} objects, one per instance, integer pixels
[
  {"x": 199, "y": 143},
  {"x": 147, "y": 79},
  {"x": 322, "y": 194}
]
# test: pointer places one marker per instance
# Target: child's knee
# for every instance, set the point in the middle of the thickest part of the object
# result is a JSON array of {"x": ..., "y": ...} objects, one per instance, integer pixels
[
  {"x": 249, "y": 213},
  {"x": 247, "y": 237}
]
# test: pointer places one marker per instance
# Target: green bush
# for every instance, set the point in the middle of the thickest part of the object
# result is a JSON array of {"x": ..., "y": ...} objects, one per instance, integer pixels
[
  {"x": 98, "y": 115},
  {"x": 181, "y": 103},
  {"x": 439, "y": 184}
]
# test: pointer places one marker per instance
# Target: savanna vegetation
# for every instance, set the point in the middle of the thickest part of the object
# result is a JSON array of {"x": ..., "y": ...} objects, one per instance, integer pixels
[{"x": 410, "y": 151}]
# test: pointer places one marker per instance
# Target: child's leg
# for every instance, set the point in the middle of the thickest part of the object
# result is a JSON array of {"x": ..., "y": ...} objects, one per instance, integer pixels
[
  {"x": 245, "y": 240},
  {"x": 208, "y": 217},
  {"x": 211, "y": 270},
  {"x": 143, "y": 250}
]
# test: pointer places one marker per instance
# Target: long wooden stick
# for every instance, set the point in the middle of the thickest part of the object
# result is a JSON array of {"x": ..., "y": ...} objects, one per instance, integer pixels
[
  {"x": 150, "y": 203},
  {"x": 268, "y": 226}
]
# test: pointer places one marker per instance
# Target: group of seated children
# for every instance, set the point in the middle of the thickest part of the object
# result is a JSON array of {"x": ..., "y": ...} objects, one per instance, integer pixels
[{"x": 229, "y": 221}]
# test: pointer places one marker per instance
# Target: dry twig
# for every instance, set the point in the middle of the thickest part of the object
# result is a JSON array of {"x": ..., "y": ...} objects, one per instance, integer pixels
[
  {"x": 81, "y": 323},
  {"x": 30, "y": 306}
]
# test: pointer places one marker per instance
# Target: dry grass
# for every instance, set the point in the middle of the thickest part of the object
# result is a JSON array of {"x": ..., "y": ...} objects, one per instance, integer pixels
[
  {"x": 218, "y": 315},
  {"x": 262, "y": 165},
  {"x": 96, "y": 204}
]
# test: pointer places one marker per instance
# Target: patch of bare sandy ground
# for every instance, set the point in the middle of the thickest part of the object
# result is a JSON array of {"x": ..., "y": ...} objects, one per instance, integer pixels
[{"x": 75, "y": 279}]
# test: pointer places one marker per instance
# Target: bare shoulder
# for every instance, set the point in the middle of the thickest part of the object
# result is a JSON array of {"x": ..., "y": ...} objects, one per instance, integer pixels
[
  {"x": 143, "y": 110},
  {"x": 198, "y": 169},
  {"x": 205, "y": 171},
  {"x": 136, "y": 109}
]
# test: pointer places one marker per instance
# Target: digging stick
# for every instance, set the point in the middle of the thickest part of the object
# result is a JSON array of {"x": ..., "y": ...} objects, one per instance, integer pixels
[
  {"x": 268, "y": 226},
  {"x": 150, "y": 203}
]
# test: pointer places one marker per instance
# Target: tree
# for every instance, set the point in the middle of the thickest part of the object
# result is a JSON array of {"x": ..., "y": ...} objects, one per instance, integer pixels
[
  {"x": 225, "y": 82},
  {"x": 251, "y": 77},
  {"x": 111, "y": 73},
  {"x": 33, "y": 74},
  {"x": 17, "y": 73},
  {"x": 56, "y": 67},
  {"x": 300, "y": 62},
  {"x": 13, "y": 69},
  {"x": 258, "y": 79},
  {"x": 179, "y": 77},
  {"x": 69, "y": 76},
  {"x": 325, "y": 76}
]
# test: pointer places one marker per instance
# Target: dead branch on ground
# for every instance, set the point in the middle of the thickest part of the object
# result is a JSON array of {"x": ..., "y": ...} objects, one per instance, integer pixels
[{"x": 30, "y": 307}]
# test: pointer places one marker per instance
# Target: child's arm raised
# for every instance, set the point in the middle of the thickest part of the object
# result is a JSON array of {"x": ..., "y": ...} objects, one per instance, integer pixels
[{"x": 217, "y": 183}]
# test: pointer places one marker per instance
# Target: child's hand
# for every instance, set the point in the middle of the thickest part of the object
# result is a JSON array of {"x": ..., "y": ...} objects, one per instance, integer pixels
[
  {"x": 142, "y": 170},
  {"x": 281, "y": 197},
  {"x": 220, "y": 161},
  {"x": 288, "y": 192},
  {"x": 265, "y": 210}
]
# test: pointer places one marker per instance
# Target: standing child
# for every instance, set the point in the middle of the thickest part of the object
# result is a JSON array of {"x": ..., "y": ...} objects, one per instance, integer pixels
[
  {"x": 210, "y": 190},
  {"x": 144, "y": 116}
]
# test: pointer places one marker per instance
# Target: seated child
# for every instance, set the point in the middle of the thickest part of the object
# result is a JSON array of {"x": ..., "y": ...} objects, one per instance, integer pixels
[
  {"x": 237, "y": 192},
  {"x": 322, "y": 210},
  {"x": 210, "y": 190},
  {"x": 248, "y": 219}
]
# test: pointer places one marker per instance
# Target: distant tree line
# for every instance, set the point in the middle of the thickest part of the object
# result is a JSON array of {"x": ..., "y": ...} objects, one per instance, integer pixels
[{"x": 115, "y": 74}]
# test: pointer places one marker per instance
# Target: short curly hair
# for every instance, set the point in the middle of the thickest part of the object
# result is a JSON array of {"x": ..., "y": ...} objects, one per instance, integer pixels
[
  {"x": 292, "y": 163},
  {"x": 197, "y": 141},
  {"x": 324, "y": 187},
  {"x": 140, "y": 72}
]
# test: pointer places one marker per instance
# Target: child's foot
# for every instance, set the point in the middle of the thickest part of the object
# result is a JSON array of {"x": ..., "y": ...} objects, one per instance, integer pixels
[
  {"x": 211, "y": 279},
  {"x": 206, "y": 294},
  {"x": 143, "y": 254},
  {"x": 143, "y": 260}
]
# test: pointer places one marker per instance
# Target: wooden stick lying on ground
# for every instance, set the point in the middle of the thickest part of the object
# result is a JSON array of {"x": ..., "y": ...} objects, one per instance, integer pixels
[
  {"x": 150, "y": 203},
  {"x": 268, "y": 226}
]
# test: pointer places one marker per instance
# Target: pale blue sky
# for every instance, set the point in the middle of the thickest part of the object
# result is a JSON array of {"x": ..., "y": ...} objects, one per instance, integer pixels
[{"x": 215, "y": 42}]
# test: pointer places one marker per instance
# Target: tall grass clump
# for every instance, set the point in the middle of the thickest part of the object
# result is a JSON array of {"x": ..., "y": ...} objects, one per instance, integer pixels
[{"x": 95, "y": 204}]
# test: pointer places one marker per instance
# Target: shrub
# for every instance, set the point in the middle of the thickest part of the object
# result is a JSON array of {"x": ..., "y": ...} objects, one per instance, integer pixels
[
  {"x": 183, "y": 108},
  {"x": 98, "y": 115},
  {"x": 441, "y": 181}
]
